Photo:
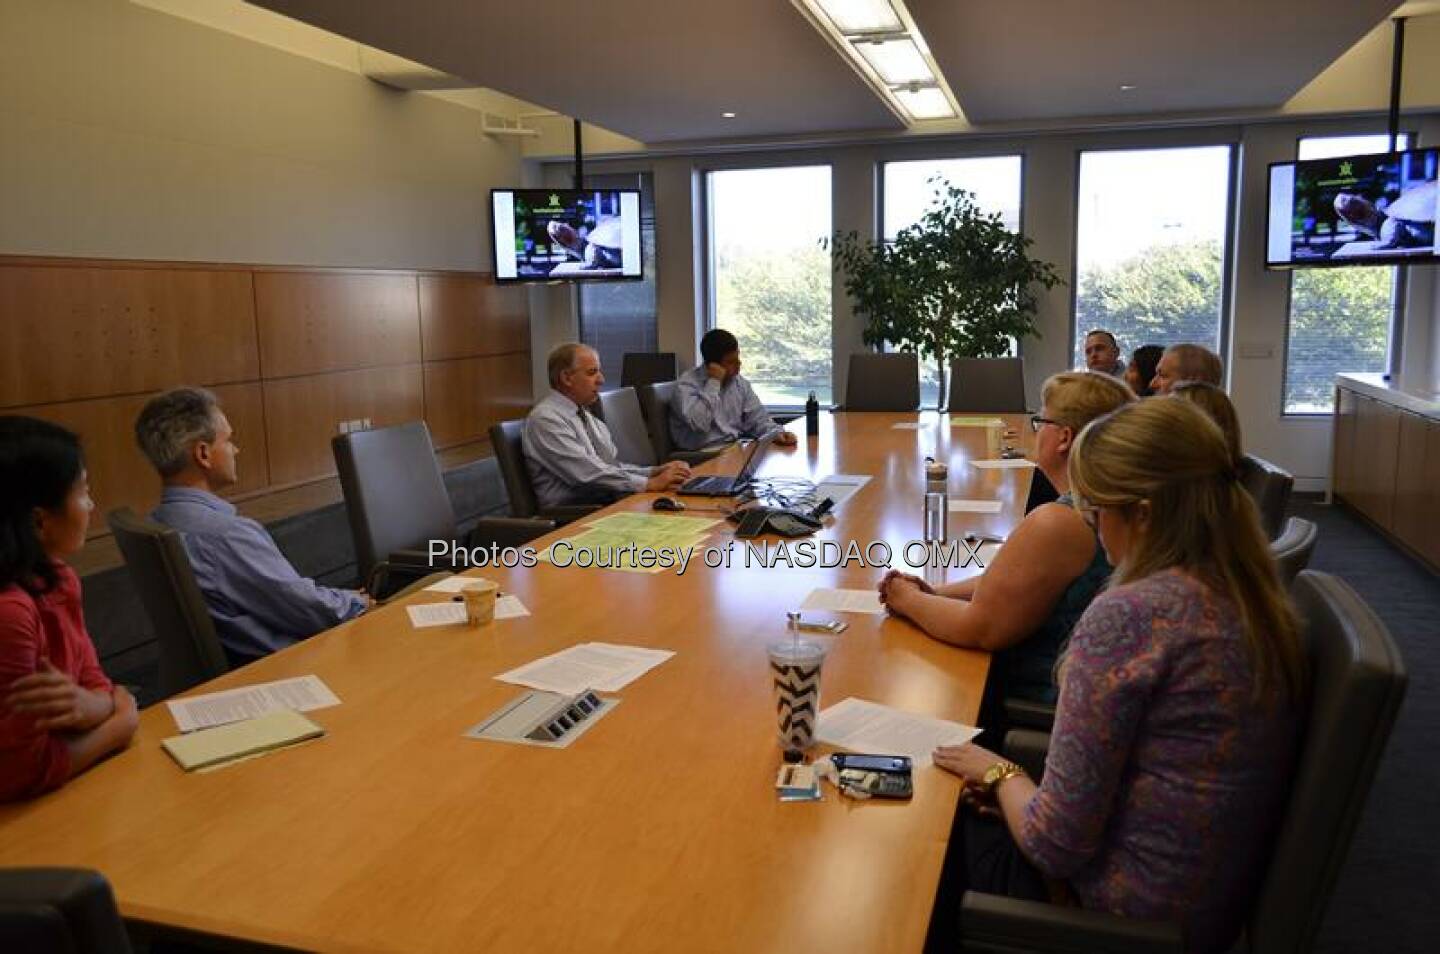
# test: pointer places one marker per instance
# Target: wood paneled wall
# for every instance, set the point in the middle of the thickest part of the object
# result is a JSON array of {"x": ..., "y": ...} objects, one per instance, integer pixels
[{"x": 291, "y": 352}]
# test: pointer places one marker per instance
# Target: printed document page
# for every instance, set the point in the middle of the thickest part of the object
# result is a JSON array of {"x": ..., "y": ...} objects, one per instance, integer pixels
[
  {"x": 303, "y": 694},
  {"x": 862, "y": 726},
  {"x": 601, "y": 666}
]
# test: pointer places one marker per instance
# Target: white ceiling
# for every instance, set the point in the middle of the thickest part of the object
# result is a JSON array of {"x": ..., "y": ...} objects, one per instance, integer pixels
[
  {"x": 655, "y": 70},
  {"x": 665, "y": 70},
  {"x": 1013, "y": 61}
]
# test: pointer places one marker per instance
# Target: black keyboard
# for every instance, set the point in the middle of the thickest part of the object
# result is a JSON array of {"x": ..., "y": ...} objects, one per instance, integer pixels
[{"x": 709, "y": 487}]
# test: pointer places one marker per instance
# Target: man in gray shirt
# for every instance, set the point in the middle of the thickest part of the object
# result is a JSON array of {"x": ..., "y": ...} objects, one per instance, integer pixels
[
  {"x": 568, "y": 450},
  {"x": 714, "y": 405}
]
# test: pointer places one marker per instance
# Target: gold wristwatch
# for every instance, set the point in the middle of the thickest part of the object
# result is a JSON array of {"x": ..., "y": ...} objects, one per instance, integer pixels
[{"x": 998, "y": 773}]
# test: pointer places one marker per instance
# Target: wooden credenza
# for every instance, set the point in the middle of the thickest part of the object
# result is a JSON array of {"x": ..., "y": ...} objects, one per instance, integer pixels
[{"x": 1386, "y": 463}]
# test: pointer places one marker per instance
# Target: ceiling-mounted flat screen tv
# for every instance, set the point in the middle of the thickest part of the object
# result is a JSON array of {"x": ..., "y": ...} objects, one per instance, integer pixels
[
  {"x": 546, "y": 235},
  {"x": 1375, "y": 209}
]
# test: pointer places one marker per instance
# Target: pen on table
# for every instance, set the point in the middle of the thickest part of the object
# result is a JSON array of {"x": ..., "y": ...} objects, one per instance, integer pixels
[{"x": 457, "y": 598}]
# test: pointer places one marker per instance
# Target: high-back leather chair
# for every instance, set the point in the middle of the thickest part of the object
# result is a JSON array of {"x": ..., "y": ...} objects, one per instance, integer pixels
[
  {"x": 621, "y": 411},
  {"x": 1270, "y": 487},
  {"x": 510, "y": 453},
  {"x": 648, "y": 367},
  {"x": 1357, "y": 681},
  {"x": 396, "y": 501},
  {"x": 655, "y": 401},
  {"x": 987, "y": 385},
  {"x": 190, "y": 651},
  {"x": 59, "y": 909},
  {"x": 883, "y": 382},
  {"x": 1294, "y": 547}
]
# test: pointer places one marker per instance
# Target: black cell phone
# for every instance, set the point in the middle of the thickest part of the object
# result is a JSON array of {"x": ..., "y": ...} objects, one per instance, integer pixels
[{"x": 890, "y": 764}]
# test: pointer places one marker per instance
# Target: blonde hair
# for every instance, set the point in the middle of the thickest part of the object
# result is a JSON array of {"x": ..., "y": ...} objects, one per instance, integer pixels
[
  {"x": 1216, "y": 403},
  {"x": 1169, "y": 454},
  {"x": 1075, "y": 398},
  {"x": 1197, "y": 363}
]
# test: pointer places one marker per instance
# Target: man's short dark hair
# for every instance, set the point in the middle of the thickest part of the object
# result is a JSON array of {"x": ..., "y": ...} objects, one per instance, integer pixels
[
  {"x": 1101, "y": 331},
  {"x": 171, "y": 423},
  {"x": 717, "y": 345}
]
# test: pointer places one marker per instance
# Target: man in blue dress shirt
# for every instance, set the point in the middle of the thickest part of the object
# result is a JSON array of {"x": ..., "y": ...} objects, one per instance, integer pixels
[
  {"x": 257, "y": 600},
  {"x": 714, "y": 404}
]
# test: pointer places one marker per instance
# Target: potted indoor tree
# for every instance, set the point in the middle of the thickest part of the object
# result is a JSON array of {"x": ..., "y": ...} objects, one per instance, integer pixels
[{"x": 955, "y": 284}]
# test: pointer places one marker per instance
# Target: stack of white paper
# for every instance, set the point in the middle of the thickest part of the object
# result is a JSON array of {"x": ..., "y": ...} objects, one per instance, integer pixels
[
  {"x": 302, "y": 694},
  {"x": 823, "y": 600},
  {"x": 840, "y": 487},
  {"x": 602, "y": 666},
  {"x": 424, "y": 615},
  {"x": 862, "y": 726}
]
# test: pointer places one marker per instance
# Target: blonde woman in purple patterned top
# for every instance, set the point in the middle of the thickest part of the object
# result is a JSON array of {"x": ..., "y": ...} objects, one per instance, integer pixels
[{"x": 1175, "y": 732}]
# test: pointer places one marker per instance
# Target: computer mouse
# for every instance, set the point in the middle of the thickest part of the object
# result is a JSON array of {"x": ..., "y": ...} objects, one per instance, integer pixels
[{"x": 667, "y": 503}]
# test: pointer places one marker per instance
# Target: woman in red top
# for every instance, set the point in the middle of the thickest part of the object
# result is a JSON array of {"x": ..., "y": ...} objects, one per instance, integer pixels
[{"x": 59, "y": 715}]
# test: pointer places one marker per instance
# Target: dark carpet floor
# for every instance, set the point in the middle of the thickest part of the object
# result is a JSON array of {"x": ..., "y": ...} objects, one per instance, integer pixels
[{"x": 1388, "y": 896}]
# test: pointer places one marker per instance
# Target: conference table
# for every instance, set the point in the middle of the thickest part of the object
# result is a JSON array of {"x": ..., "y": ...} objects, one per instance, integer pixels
[{"x": 659, "y": 829}]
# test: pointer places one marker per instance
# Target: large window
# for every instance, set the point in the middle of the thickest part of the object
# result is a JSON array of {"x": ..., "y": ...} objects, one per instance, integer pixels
[
  {"x": 1150, "y": 246},
  {"x": 619, "y": 317},
  {"x": 908, "y": 192},
  {"x": 770, "y": 277},
  {"x": 1340, "y": 318}
]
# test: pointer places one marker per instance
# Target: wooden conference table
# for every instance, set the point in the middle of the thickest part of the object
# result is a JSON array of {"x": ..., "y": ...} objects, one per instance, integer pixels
[{"x": 658, "y": 830}]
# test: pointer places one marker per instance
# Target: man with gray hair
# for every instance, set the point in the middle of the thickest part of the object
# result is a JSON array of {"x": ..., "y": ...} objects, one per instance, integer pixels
[
  {"x": 257, "y": 600},
  {"x": 569, "y": 453},
  {"x": 1187, "y": 362}
]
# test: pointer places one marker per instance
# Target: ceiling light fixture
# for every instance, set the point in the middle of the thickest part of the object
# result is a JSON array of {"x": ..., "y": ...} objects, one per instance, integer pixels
[
  {"x": 881, "y": 42},
  {"x": 728, "y": 115},
  {"x": 852, "y": 17},
  {"x": 1126, "y": 87}
]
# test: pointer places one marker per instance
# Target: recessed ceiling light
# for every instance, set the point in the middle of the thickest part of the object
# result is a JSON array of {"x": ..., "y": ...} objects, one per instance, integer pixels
[
  {"x": 862, "y": 16},
  {"x": 1126, "y": 87},
  {"x": 728, "y": 115}
]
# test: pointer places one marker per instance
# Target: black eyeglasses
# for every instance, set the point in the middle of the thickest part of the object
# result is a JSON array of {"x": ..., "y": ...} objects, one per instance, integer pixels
[{"x": 1037, "y": 422}]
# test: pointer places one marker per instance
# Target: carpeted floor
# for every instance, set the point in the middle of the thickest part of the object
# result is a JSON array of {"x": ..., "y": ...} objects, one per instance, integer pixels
[{"x": 1385, "y": 900}]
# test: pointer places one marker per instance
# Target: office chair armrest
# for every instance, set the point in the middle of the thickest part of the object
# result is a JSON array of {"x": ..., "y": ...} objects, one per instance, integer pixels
[
  {"x": 990, "y": 922},
  {"x": 568, "y": 513},
  {"x": 507, "y": 532},
  {"x": 1028, "y": 750},
  {"x": 1024, "y": 714}
]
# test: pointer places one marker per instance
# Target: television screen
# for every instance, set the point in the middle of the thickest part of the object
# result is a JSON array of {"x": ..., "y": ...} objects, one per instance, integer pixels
[
  {"x": 1354, "y": 210},
  {"x": 562, "y": 234}
]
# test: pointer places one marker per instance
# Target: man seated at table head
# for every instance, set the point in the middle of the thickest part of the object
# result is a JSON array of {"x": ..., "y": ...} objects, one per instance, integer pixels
[
  {"x": 1102, "y": 353},
  {"x": 258, "y": 601},
  {"x": 1187, "y": 362},
  {"x": 714, "y": 404},
  {"x": 568, "y": 450}
]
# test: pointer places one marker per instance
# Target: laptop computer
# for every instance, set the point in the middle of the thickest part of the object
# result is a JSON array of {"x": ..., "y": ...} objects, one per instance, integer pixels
[{"x": 723, "y": 486}]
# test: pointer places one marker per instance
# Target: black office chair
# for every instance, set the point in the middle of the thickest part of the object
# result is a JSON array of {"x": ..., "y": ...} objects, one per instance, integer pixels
[
  {"x": 987, "y": 385},
  {"x": 655, "y": 401},
  {"x": 620, "y": 409},
  {"x": 1357, "y": 682},
  {"x": 505, "y": 441},
  {"x": 190, "y": 651},
  {"x": 396, "y": 500},
  {"x": 68, "y": 910},
  {"x": 1270, "y": 487},
  {"x": 882, "y": 382},
  {"x": 648, "y": 367}
]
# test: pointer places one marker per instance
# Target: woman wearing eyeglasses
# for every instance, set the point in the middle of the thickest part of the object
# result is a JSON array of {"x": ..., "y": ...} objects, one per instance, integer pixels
[
  {"x": 1024, "y": 605},
  {"x": 1175, "y": 732}
]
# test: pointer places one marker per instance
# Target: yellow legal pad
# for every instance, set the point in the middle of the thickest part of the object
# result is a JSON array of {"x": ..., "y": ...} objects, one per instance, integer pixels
[{"x": 238, "y": 740}]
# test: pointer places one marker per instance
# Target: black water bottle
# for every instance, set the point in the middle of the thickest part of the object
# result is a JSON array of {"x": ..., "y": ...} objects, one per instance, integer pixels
[{"x": 812, "y": 416}]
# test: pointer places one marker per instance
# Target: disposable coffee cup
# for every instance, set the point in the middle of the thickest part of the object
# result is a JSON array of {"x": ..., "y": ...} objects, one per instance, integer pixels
[
  {"x": 795, "y": 673},
  {"x": 480, "y": 601}
]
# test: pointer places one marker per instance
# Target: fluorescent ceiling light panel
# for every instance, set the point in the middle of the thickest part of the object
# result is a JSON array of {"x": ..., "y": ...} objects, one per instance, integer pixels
[
  {"x": 861, "y": 16},
  {"x": 927, "y": 102},
  {"x": 896, "y": 61}
]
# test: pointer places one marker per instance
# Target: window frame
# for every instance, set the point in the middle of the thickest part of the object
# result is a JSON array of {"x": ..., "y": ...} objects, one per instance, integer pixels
[
  {"x": 643, "y": 177},
  {"x": 1399, "y": 291},
  {"x": 1227, "y": 251}
]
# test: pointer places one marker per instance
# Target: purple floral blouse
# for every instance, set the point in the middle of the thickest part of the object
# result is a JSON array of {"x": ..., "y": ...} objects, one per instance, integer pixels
[{"x": 1165, "y": 778}]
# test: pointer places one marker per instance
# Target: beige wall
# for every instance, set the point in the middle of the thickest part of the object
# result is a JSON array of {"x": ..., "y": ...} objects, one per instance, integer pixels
[
  {"x": 1259, "y": 303},
  {"x": 129, "y": 133}
]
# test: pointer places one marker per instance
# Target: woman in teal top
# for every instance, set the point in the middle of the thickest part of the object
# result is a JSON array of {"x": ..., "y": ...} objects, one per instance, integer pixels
[{"x": 1024, "y": 605}]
